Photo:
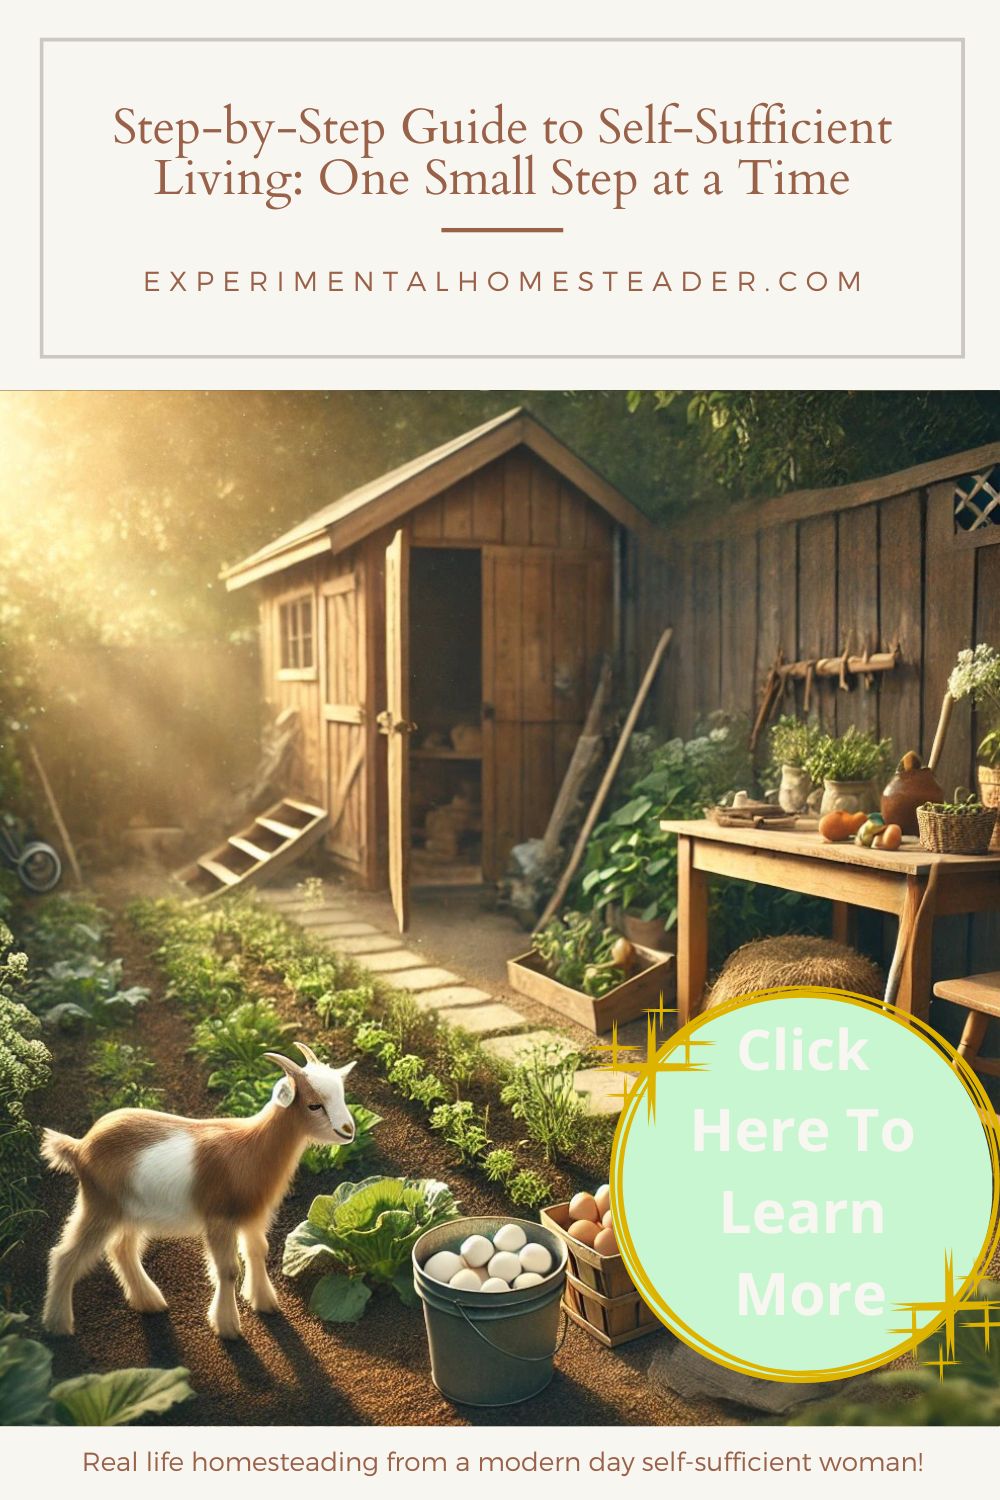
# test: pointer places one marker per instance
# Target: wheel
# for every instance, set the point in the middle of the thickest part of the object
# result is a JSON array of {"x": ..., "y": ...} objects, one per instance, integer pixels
[{"x": 39, "y": 868}]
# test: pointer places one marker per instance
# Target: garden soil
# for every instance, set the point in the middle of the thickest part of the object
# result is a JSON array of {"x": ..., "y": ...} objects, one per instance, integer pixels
[{"x": 290, "y": 1368}]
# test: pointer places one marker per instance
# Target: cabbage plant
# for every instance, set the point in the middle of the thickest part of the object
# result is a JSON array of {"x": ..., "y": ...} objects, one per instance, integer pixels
[
  {"x": 362, "y": 1235},
  {"x": 29, "y": 1399}
]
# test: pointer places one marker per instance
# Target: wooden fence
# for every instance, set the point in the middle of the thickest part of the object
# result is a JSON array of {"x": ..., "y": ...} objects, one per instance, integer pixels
[{"x": 808, "y": 574}]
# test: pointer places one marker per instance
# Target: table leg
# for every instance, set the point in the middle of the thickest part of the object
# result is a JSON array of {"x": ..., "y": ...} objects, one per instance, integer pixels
[
  {"x": 692, "y": 931},
  {"x": 915, "y": 980},
  {"x": 845, "y": 923}
]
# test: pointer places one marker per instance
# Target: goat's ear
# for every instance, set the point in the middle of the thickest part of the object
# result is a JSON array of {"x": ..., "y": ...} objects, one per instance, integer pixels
[
  {"x": 283, "y": 1093},
  {"x": 347, "y": 1068}
]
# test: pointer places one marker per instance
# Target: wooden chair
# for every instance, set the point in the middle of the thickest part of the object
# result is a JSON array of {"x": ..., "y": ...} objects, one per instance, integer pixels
[{"x": 980, "y": 996}]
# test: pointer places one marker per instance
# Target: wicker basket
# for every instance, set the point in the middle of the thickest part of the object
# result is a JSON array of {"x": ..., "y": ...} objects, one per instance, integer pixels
[
  {"x": 956, "y": 832},
  {"x": 989, "y": 793},
  {"x": 599, "y": 1295}
]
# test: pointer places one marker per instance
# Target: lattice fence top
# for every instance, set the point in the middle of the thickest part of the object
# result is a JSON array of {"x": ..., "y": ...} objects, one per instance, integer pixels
[{"x": 977, "y": 500}]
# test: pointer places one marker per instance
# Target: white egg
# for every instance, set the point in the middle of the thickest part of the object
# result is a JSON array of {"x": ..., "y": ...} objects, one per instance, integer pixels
[
  {"x": 526, "y": 1278},
  {"x": 505, "y": 1265},
  {"x": 466, "y": 1280},
  {"x": 535, "y": 1258},
  {"x": 511, "y": 1237},
  {"x": 494, "y": 1284},
  {"x": 476, "y": 1250},
  {"x": 443, "y": 1265}
]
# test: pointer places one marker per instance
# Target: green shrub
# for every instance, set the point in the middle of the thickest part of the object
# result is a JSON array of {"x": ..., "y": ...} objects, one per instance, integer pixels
[
  {"x": 121, "y": 1072},
  {"x": 24, "y": 1067},
  {"x": 541, "y": 1092},
  {"x": 243, "y": 1035},
  {"x": 499, "y": 1164},
  {"x": 856, "y": 755},
  {"x": 529, "y": 1189},
  {"x": 464, "y": 1129}
]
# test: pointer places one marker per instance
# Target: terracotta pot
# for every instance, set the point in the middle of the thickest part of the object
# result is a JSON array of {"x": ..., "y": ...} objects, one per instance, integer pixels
[
  {"x": 652, "y": 934},
  {"x": 989, "y": 795},
  {"x": 848, "y": 796},
  {"x": 908, "y": 790},
  {"x": 794, "y": 790}
]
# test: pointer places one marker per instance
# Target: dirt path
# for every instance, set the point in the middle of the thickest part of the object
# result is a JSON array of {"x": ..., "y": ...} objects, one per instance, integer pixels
[{"x": 293, "y": 1369}]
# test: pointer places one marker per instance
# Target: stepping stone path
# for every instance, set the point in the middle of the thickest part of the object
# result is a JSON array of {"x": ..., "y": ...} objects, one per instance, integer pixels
[{"x": 504, "y": 1031}]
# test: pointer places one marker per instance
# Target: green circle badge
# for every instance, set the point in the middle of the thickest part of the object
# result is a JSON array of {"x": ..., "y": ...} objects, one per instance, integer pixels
[{"x": 805, "y": 1183}]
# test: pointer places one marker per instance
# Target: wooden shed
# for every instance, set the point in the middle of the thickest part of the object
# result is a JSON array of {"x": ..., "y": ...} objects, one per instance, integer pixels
[{"x": 440, "y": 631}]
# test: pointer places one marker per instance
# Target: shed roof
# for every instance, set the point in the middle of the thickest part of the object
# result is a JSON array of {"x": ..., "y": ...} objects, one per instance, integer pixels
[{"x": 353, "y": 516}]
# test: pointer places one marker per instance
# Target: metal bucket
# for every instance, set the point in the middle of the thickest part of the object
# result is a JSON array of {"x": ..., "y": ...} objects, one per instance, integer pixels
[{"x": 490, "y": 1348}]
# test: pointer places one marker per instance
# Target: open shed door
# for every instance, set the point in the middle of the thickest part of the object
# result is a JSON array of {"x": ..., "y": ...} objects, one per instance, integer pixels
[
  {"x": 546, "y": 626},
  {"x": 395, "y": 720}
]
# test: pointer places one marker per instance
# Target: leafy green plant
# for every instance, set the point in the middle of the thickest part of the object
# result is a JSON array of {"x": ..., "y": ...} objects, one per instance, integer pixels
[
  {"x": 362, "y": 1235},
  {"x": 337, "y": 1158},
  {"x": 24, "y": 1067},
  {"x": 529, "y": 1189},
  {"x": 344, "y": 1007},
  {"x": 499, "y": 1164},
  {"x": 85, "y": 992},
  {"x": 29, "y": 1399},
  {"x": 977, "y": 672},
  {"x": 541, "y": 1092},
  {"x": 242, "y": 1035},
  {"x": 856, "y": 755},
  {"x": 576, "y": 950},
  {"x": 629, "y": 861},
  {"x": 791, "y": 740},
  {"x": 121, "y": 1072},
  {"x": 409, "y": 1074},
  {"x": 463, "y": 1058},
  {"x": 64, "y": 928},
  {"x": 464, "y": 1129}
]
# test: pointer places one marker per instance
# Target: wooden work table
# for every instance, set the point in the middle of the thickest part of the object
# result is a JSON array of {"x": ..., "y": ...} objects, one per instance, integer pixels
[{"x": 798, "y": 859}]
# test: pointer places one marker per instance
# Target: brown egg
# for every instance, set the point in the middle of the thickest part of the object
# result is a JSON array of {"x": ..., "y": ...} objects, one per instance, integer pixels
[
  {"x": 584, "y": 1206},
  {"x": 605, "y": 1242},
  {"x": 585, "y": 1230},
  {"x": 603, "y": 1199},
  {"x": 608, "y": 1221}
]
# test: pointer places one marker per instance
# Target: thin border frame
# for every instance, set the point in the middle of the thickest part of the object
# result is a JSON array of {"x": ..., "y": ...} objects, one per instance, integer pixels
[{"x": 545, "y": 41}]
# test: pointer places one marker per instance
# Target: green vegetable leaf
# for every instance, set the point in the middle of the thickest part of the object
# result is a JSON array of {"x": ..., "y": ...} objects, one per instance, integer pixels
[
  {"x": 339, "y": 1299},
  {"x": 119, "y": 1397},
  {"x": 405, "y": 1290},
  {"x": 306, "y": 1249},
  {"x": 25, "y": 1372}
]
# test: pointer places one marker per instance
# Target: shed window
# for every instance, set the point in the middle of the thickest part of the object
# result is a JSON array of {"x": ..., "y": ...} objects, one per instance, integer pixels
[{"x": 296, "y": 624}]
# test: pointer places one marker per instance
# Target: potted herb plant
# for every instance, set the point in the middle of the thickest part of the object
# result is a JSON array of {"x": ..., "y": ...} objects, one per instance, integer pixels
[
  {"x": 791, "y": 740},
  {"x": 851, "y": 768},
  {"x": 977, "y": 673}
]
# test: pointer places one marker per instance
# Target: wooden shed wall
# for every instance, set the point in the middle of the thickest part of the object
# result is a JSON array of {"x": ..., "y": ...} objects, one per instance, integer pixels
[{"x": 865, "y": 565}]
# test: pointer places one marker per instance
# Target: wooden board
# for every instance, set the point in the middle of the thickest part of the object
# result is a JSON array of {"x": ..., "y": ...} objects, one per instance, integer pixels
[
  {"x": 397, "y": 672},
  {"x": 817, "y": 605},
  {"x": 909, "y": 859},
  {"x": 260, "y": 850}
]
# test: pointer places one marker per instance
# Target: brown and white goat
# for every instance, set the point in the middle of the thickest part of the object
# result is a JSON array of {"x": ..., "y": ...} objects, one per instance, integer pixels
[{"x": 144, "y": 1174}]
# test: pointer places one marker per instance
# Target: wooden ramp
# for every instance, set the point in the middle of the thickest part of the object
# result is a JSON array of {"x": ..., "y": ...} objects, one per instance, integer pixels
[{"x": 272, "y": 840}]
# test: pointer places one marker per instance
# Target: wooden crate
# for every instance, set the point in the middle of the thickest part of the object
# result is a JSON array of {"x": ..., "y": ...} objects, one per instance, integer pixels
[
  {"x": 599, "y": 1294},
  {"x": 625, "y": 1002}
]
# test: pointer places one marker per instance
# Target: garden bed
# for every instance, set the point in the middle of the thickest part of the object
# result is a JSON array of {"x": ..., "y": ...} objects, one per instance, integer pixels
[{"x": 293, "y": 1369}]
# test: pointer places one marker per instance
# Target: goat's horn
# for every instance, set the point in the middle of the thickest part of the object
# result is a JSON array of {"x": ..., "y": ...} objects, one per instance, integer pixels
[
  {"x": 293, "y": 1069},
  {"x": 307, "y": 1052}
]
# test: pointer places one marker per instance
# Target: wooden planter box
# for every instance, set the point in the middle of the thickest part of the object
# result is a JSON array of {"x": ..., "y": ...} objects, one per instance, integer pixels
[
  {"x": 624, "y": 1003},
  {"x": 599, "y": 1294}
]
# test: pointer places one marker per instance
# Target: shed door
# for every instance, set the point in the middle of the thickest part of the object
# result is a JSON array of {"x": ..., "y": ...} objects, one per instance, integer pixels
[
  {"x": 342, "y": 665},
  {"x": 546, "y": 625},
  {"x": 395, "y": 720}
]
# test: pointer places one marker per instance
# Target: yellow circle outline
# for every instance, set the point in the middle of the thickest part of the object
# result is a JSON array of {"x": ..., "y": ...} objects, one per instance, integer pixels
[{"x": 655, "y": 1301}]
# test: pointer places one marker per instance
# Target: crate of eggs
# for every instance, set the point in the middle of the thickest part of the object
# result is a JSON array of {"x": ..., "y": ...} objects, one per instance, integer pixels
[
  {"x": 599, "y": 1293},
  {"x": 508, "y": 1262}
]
